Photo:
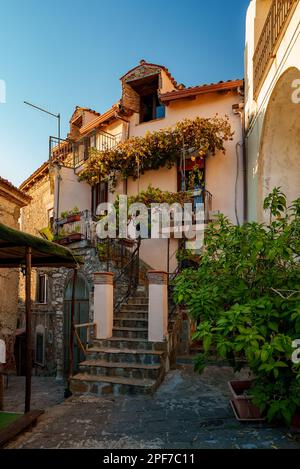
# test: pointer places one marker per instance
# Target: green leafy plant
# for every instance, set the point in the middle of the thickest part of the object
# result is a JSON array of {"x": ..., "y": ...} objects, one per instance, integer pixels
[
  {"x": 67, "y": 213},
  {"x": 245, "y": 299}
]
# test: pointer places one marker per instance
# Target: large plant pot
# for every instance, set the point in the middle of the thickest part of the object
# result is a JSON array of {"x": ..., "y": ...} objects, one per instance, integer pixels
[
  {"x": 295, "y": 424},
  {"x": 241, "y": 402}
]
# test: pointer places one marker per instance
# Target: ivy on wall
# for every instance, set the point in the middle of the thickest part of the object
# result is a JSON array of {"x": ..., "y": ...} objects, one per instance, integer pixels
[{"x": 158, "y": 149}]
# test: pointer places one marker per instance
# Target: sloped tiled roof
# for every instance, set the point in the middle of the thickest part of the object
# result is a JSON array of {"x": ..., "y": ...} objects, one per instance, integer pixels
[
  {"x": 20, "y": 197},
  {"x": 37, "y": 174}
]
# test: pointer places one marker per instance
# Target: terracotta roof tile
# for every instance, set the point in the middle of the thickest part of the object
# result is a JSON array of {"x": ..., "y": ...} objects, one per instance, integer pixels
[
  {"x": 201, "y": 89},
  {"x": 15, "y": 191},
  {"x": 166, "y": 70}
]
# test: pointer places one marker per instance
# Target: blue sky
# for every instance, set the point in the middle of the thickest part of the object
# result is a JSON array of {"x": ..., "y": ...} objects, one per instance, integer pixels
[{"x": 62, "y": 53}]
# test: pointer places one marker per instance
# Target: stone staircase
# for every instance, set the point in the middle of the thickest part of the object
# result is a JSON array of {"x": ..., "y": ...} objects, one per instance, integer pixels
[{"x": 126, "y": 363}]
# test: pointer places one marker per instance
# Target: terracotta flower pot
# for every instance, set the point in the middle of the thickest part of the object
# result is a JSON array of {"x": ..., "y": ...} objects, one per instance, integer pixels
[
  {"x": 295, "y": 424},
  {"x": 74, "y": 237},
  {"x": 242, "y": 402}
]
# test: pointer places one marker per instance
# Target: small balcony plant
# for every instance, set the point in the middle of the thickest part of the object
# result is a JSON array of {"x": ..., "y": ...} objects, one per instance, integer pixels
[{"x": 71, "y": 215}]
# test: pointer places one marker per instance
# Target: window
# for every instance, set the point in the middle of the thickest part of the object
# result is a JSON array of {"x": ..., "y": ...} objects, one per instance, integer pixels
[
  {"x": 42, "y": 288},
  {"x": 147, "y": 89},
  {"x": 151, "y": 108},
  {"x": 99, "y": 195},
  {"x": 40, "y": 345}
]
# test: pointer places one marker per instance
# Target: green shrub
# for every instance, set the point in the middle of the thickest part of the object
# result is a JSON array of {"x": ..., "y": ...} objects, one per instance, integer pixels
[{"x": 245, "y": 299}]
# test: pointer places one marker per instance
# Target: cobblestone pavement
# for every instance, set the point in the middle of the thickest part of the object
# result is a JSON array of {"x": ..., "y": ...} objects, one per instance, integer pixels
[
  {"x": 187, "y": 412},
  {"x": 46, "y": 392}
]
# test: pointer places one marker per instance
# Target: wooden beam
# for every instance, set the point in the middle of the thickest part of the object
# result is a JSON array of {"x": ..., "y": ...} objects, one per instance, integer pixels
[
  {"x": 28, "y": 330},
  {"x": 12, "y": 430}
]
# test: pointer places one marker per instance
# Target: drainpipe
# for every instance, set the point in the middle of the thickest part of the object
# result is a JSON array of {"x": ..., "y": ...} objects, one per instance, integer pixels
[
  {"x": 238, "y": 109},
  {"x": 127, "y": 124}
]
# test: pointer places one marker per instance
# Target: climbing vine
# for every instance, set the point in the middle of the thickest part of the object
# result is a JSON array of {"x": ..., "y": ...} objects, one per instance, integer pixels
[{"x": 157, "y": 149}]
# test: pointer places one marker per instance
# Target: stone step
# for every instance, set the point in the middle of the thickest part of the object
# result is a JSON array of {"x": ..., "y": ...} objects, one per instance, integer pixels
[
  {"x": 114, "y": 355},
  {"x": 131, "y": 315},
  {"x": 101, "y": 385},
  {"x": 126, "y": 370},
  {"x": 134, "y": 306},
  {"x": 130, "y": 322},
  {"x": 124, "y": 343},
  {"x": 131, "y": 332}
]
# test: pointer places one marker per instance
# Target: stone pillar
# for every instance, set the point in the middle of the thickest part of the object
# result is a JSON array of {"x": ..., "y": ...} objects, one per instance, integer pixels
[
  {"x": 103, "y": 304},
  {"x": 158, "y": 306}
]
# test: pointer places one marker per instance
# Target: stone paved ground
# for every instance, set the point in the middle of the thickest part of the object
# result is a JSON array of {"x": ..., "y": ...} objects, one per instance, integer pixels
[{"x": 187, "y": 412}]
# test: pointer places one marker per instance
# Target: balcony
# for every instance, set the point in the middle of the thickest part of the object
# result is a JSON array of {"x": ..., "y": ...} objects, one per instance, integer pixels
[
  {"x": 278, "y": 18},
  {"x": 73, "y": 228},
  {"x": 73, "y": 155}
]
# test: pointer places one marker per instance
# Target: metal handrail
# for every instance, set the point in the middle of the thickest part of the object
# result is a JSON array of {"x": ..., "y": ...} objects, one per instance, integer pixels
[
  {"x": 87, "y": 326},
  {"x": 132, "y": 277}
]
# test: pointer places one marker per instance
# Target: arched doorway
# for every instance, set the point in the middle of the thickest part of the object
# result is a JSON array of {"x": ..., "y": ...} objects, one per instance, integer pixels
[
  {"x": 81, "y": 317},
  {"x": 279, "y": 156}
]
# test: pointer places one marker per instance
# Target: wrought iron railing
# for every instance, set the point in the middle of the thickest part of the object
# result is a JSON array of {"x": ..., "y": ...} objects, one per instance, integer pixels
[
  {"x": 278, "y": 16},
  {"x": 127, "y": 281},
  {"x": 60, "y": 150},
  {"x": 106, "y": 141},
  {"x": 171, "y": 286},
  {"x": 73, "y": 155}
]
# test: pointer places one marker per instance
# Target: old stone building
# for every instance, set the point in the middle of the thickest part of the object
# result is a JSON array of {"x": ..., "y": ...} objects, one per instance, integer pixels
[
  {"x": 11, "y": 202},
  {"x": 150, "y": 100}
]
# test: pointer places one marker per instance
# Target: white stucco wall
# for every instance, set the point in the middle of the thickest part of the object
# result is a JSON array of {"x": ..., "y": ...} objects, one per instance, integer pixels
[{"x": 72, "y": 192}]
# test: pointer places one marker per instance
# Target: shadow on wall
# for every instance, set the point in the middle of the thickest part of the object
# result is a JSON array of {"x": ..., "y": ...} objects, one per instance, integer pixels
[{"x": 279, "y": 155}]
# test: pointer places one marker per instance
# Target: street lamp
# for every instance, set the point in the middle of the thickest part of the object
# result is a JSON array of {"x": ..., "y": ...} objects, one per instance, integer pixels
[{"x": 50, "y": 113}]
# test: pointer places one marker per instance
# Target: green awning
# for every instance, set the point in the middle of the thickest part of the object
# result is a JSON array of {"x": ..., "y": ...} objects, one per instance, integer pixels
[{"x": 13, "y": 244}]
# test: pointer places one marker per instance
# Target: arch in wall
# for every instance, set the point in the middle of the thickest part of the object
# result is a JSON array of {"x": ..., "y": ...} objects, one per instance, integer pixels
[{"x": 279, "y": 155}]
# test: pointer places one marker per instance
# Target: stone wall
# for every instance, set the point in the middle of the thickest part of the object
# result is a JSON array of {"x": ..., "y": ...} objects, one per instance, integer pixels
[
  {"x": 35, "y": 216},
  {"x": 9, "y": 215}
]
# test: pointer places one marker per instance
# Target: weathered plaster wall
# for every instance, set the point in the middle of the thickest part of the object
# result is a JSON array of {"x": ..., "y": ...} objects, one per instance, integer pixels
[{"x": 35, "y": 216}]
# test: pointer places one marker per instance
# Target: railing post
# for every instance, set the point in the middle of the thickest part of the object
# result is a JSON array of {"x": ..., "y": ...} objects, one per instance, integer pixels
[
  {"x": 158, "y": 306},
  {"x": 103, "y": 304}
]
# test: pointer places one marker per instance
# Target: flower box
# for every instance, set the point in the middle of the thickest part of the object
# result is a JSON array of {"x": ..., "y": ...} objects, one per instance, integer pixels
[{"x": 73, "y": 218}]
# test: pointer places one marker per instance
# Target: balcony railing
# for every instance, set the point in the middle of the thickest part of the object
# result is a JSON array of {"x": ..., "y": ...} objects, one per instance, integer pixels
[
  {"x": 278, "y": 17},
  {"x": 107, "y": 141},
  {"x": 73, "y": 228},
  {"x": 73, "y": 155}
]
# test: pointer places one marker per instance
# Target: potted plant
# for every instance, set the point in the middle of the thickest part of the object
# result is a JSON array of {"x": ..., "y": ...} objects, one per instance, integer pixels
[
  {"x": 70, "y": 216},
  {"x": 73, "y": 215}
]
